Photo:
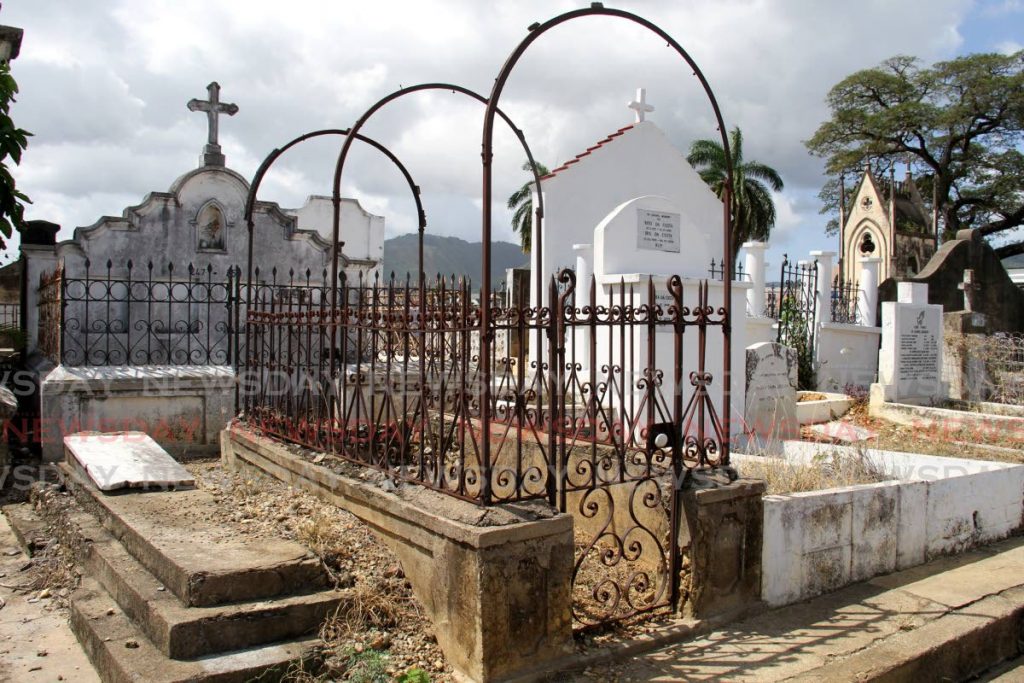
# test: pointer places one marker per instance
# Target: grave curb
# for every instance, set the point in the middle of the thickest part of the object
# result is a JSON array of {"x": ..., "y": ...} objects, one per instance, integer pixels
[{"x": 962, "y": 643}]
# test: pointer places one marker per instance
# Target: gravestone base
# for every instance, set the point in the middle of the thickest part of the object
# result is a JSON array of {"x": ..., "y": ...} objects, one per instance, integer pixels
[
  {"x": 182, "y": 408},
  {"x": 724, "y": 525}
]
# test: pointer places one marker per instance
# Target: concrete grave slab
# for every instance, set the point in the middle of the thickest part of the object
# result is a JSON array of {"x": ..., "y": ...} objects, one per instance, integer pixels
[{"x": 126, "y": 460}]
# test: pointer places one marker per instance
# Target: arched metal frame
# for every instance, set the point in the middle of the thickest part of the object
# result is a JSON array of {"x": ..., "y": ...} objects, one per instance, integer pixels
[
  {"x": 343, "y": 156},
  {"x": 257, "y": 180},
  {"x": 536, "y": 30}
]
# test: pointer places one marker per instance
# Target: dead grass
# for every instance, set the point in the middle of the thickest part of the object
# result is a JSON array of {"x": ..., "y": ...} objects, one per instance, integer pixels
[
  {"x": 955, "y": 441},
  {"x": 830, "y": 470},
  {"x": 370, "y": 607}
]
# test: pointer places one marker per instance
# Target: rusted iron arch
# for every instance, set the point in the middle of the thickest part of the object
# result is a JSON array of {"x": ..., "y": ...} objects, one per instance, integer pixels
[
  {"x": 343, "y": 155},
  {"x": 257, "y": 180},
  {"x": 536, "y": 30}
]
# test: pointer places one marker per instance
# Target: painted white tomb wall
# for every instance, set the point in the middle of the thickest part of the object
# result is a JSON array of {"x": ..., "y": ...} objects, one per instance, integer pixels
[
  {"x": 641, "y": 161},
  {"x": 618, "y": 263},
  {"x": 847, "y": 355},
  {"x": 819, "y": 541}
]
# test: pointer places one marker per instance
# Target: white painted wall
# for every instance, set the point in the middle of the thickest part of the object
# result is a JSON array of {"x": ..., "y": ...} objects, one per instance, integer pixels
[
  {"x": 819, "y": 541},
  {"x": 641, "y": 161},
  {"x": 361, "y": 231},
  {"x": 760, "y": 330}
]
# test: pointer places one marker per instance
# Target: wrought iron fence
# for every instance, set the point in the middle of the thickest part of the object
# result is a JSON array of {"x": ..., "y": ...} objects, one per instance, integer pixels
[
  {"x": 132, "y": 316},
  {"x": 794, "y": 303},
  {"x": 10, "y": 315},
  {"x": 605, "y": 415},
  {"x": 405, "y": 398},
  {"x": 845, "y": 298},
  {"x": 717, "y": 271}
]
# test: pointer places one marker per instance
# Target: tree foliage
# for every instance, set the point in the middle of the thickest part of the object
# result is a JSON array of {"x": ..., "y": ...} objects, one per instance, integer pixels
[
  {"x": 520, "y": 203},
  {"x": 13, "y": 141},
  {"x": 956, "y": 124},
  {"x": 752, "y": 204}
]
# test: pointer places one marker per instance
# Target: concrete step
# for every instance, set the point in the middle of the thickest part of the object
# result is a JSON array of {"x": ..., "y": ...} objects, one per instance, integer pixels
[
  {"x": 121, "y": 653},
  {"x": 204, "y": 563},
  {"x": 28, "y": 527},
  {"x": 181, "y": 632}
]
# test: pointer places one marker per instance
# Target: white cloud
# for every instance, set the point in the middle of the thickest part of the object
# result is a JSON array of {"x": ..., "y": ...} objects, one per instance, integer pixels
[{"x": 104, "y": 87}]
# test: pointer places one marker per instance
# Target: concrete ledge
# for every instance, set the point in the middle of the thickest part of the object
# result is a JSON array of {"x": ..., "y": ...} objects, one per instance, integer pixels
[
  {"x": 946, "y": 418},
  {"x": 823, "y": 410},
  {"x": 104, "y": 632},
  {"x": 496, "y": 581},
  {"x": 955, "y": 647},
  {"x": 181, "y": 632}
]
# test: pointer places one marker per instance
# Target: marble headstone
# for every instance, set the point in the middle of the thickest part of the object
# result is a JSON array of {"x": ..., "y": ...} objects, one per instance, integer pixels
[
  {"x": 770, "y": 409},
  {"x": 910, "y": 357}
]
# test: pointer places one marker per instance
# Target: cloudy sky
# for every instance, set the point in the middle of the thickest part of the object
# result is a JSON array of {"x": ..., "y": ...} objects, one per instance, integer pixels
[{"x": 104, "y": 85}]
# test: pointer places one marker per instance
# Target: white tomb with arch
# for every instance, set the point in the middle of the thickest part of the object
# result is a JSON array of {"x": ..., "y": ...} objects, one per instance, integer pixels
[{"x": 630, "y": 210}]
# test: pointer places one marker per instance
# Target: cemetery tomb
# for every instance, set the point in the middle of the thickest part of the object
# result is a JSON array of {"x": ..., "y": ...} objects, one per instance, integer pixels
[
  {"x": 611, "y": 404},
  {"x": 171, "y": 592}
]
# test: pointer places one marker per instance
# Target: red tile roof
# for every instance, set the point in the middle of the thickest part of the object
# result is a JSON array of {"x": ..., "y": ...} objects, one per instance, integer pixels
[{"x": 600, "y": 144}]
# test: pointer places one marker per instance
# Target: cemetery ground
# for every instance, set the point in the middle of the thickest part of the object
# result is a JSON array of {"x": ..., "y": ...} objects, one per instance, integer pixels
[
  {"x": 1002, "y": 443},
  {"x": 894, "y": 624}
]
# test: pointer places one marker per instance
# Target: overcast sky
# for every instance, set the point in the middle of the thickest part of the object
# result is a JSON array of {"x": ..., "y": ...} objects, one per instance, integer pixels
[{"x": 104, "y": 84}]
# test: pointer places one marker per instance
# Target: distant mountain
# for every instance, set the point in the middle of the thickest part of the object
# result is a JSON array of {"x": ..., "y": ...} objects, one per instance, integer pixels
[{"x": 448, "y": 255}]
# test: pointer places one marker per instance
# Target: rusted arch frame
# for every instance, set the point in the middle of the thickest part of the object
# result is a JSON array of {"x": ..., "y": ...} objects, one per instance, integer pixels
[
  {"x": 257, "y": 180},
  {"x": 536, "y": 31},
  {"x": 343, "y": 155}
]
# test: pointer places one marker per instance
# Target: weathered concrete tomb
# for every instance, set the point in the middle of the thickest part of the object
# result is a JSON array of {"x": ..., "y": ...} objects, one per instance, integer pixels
[{"x": 168, "y": 594}]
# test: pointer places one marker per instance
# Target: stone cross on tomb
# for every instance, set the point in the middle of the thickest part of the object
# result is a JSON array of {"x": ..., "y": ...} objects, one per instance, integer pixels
[
  {"x": 639, "y": 105},
  {"x": 970, "y": 288},
  {"x": 213, "y": 108}
]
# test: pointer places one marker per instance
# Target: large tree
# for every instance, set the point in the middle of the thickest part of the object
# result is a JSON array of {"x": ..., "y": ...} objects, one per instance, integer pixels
[
  {"x": 752, "y": 204},
  {"x": 12, "y": 141},
  {"x": 520, "y": 203},
  {"x": 957, "y": 125}
]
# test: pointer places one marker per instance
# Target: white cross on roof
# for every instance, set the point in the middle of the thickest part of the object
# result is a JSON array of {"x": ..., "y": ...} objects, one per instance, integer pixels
[{"x": 639, "y": 105}]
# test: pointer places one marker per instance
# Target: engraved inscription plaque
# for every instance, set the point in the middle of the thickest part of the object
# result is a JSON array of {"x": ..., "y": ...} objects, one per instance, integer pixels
[
  {"x": 657, "y": 231},
  {"x": 918, "y": 349}
]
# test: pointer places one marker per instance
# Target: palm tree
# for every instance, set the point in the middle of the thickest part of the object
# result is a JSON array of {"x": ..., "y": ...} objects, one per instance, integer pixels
[
  {"x": 752, "y": 205},
  {"x": 521, "y": 203}
]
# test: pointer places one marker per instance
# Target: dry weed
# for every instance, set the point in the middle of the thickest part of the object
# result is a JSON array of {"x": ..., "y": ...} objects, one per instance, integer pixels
[
  {"x": 379, "y": 606},
  {"x": 828, "y": 470}
]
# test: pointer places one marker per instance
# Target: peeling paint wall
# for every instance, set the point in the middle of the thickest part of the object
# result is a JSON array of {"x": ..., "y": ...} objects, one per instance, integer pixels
[{"x": 818, "y": 541}]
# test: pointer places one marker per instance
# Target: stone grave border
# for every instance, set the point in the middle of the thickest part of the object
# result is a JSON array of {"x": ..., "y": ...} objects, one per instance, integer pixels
[
  {"x": 833, "y": 406},
  {"x": 818, "y": 541}
]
